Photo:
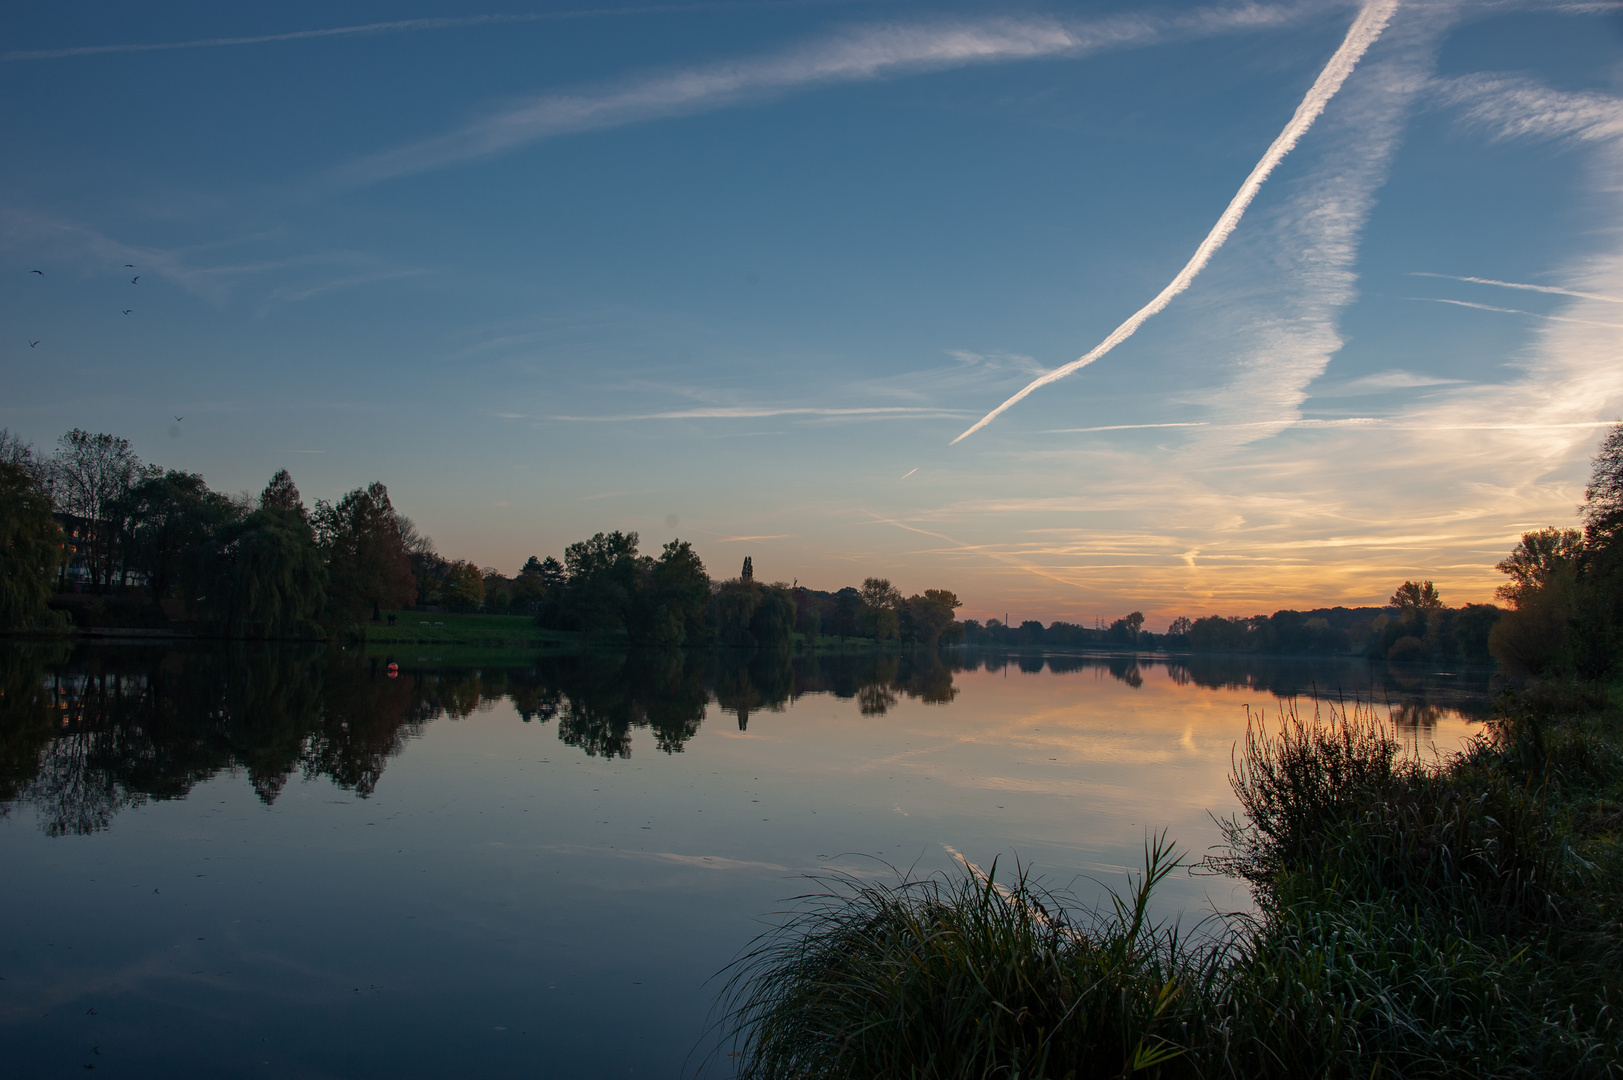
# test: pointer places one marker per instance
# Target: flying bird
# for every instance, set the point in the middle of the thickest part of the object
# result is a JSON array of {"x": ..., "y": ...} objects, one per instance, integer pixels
[
  {"x": 134, "y": 280},
  {"x": 129, "y": 266},
  {"x": 41, "y": 273},
  {"x": 178, "y": 419},
  {"x": 31, "y": 344},
  {"x": 128, "y": 310}
]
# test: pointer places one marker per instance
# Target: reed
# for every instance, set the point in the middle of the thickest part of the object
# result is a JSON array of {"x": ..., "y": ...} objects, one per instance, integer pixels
[
  {"x": 966, "y": 976},
  {"x": 1449, "y": 918}
]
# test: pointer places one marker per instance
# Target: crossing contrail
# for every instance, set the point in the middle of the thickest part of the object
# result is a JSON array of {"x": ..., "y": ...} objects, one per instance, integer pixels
[{"x": 1371, "y": 21}]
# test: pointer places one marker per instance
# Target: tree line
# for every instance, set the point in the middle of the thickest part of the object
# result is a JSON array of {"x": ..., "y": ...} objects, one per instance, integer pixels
[
  {"x": 90, "y": 528},
  {"x": 92, "y": 517},
  {"x": 91, "y": 520},
  {"x": 606, "y": 589}
]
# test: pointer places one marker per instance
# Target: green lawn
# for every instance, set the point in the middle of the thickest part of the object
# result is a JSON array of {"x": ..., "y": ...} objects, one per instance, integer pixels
[{"x": 440, "y": 628}]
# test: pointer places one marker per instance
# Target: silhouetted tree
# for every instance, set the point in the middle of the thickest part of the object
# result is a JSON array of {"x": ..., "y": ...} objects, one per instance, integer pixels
[
  {"x": 365, "y": 548},
  {"x": 847, "y": 612},
  {"x": 930, "y": 616},
  {"x": 170, "y": 522},
  {"x": 282, "y": 494},
  {"x": 270, "y": 580},
  {"x": 733, "y": 610},
  {"x": 91, "y": 477},
  {"x": 1416, "y": 596},
  {"x": 602, "y": 579},
  {"x": 31, "y": 551},
  {"x": 880, "y": 601},
  {"x": 19, "y": 452},
  {"x": 464, "y": 586},
  {"x": 529, "y": 589},
  {"x": 670, "y": 606}
]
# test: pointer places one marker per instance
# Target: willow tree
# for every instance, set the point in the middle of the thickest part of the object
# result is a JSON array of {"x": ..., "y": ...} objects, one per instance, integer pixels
[
  {"x": 31, "y": 550},
  {"x": 271, "y": 580}
]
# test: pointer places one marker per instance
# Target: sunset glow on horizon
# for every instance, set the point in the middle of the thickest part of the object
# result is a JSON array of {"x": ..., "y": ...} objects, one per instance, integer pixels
[{"x": 742, "y": 273}]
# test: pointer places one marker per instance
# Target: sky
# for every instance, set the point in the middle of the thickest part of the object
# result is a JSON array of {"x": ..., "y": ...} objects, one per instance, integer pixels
[{"x": 742, "y": 272}]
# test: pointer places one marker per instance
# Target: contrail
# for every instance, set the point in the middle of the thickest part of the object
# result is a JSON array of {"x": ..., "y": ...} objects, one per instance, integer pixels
[
  {"x": 1365, "y": 30},
  {"x": 396, "y": 26},
  {"x": 1519, "y": 285},
  {"x": 1515, "y": 311}
]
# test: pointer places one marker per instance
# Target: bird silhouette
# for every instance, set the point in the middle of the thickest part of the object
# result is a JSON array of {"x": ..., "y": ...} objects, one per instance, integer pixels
[
  {"x": 41, "y": 273},
  {"x": 178, "y": 419},
  {"x": 135, "y": 279},
  {"x": 129, "y": 266},
  {"x": 31, "y": 344},
  {"x": 128, "y": 310}
]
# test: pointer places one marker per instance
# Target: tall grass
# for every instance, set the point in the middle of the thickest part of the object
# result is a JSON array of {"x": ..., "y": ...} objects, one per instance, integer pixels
[
  {"x": 1445, "y": 918},
  {"x": 966, "y": 976}
]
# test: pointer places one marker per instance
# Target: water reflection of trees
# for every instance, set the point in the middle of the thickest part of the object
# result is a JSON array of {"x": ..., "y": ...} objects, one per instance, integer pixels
[{"x": 87, "y": 733}]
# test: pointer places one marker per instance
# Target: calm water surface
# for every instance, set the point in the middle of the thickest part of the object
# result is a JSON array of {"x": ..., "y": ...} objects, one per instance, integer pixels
[{"x": 281, "y": 863}]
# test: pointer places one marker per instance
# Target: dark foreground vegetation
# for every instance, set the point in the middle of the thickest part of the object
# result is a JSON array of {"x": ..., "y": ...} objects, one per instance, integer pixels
[{"x": 1414, "y": 919}]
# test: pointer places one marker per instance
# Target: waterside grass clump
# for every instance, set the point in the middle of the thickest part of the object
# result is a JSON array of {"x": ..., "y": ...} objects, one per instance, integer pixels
[{"x": 1444, "y": 918}]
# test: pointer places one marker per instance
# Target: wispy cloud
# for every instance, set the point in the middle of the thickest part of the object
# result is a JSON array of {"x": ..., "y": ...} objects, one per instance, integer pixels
[
  {"x": 1275, "y": 306},
  {"x": 1512, "y": 107},
  {"x": 394, "y": 26},
  {"x": 1122, "y": 427},
  {"x": 858, "y": 54},
  {"x": 1382, "y": 382},
  {"x": 734, "y": 412},
  {"x": 288, "y": 294},
  {"x": 1302, "y": 422},
  {"x": 1366, "y": 28}
]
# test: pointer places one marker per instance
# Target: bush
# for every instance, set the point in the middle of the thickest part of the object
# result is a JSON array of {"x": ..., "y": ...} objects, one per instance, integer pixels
[{"x": 1407, "y": 647}]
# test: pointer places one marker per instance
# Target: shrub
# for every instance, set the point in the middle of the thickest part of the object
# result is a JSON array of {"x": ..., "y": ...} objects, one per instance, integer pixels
[{"x": 1407, "y": 647}]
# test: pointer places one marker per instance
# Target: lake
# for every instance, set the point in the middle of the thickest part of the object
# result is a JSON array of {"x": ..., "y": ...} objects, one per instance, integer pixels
[{"x": 284, "y": 862}]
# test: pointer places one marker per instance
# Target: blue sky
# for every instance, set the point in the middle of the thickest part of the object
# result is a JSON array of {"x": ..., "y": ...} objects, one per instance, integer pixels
[{"x": 741, "y": 272}]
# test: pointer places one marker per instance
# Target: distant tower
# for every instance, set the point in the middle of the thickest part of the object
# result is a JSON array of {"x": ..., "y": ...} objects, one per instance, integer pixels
[{"x": 749, "y": 569}]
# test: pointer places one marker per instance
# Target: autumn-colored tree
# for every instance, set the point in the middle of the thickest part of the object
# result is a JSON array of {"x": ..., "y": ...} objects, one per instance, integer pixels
[
  {"x": 1540, "y": 559},
  {"x": 464, "y": 586}
]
